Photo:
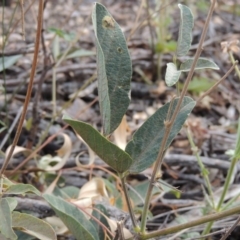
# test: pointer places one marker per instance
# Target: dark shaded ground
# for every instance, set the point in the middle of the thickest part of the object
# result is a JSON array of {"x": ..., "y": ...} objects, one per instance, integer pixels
[{"x": 213, "y": 122}]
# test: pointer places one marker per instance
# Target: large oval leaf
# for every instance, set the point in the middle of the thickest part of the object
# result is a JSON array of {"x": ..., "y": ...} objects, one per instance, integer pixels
[
  {"x": 73, "y": 218},
  {"x": 33, "y": 226},
  {"x": 202, "y": 63},
  {"x": 114, "y": 68},
  {"x": 107, "y": 151},
  {"x": 145, "y": 144},
  {"x": 185, "y": 31}
]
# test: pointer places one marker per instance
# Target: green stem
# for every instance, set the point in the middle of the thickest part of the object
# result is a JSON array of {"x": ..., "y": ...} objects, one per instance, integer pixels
[
  {"x": 204, "y": 171},
  {"x": 193, "y": 223},
  {"x": 132, "y": 215},
  {"x": 225, "y": 189},
  {"x": 227, "y": 183}
]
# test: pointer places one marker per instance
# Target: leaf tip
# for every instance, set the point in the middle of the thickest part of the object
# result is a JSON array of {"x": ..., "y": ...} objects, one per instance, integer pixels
[{"x": 66, "y": 117}]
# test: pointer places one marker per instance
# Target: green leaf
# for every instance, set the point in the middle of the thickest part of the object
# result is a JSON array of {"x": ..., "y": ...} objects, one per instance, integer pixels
[
  {"x": 114, "y": 68},
  {"x": 80, "y": 53},
  {"x": 23, "y": 236},
  {"x": 185, "y": 31},
  {"x": 202, "y": 63},
  {"x": 12, "y": 202},
  {"x": 145, "y": 144},
  {"x": 21, "y": 188},
  {"x": 67, "y": 192},
  {"x": 8, "y": 61},
  {"x": 138, "y": 193},
  {"x": 73, "y": 218},
  {"x": 237, "y": 148},
  {"x": 6, "y": 220},
  {"x": 100, "y": 214},
  {"x": 165, "y": 187},
  {"x": 172, "y": 74},
  {"x": 33, "y": 226},
  {"x": 198, "y": 85},
  {"x": 62, "y": 34},
  {"x": 2, "y": 237},
  {"x": 56, "y": 47},
  {"x": 115, "y": 157}
]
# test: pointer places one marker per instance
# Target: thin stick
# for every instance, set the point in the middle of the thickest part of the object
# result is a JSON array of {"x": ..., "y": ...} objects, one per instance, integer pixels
[
  {"x": 11, "y": 128},
  {"x": 217, "y": 83},
  {"x": 22, "y": 19},
  {"x": 224, "y": 237},
  {"x": 30, "y": 85}
]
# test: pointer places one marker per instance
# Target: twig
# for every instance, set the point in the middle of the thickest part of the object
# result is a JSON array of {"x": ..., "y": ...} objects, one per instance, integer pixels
[
  {"x": 218, "y": 82},
  {"x": 11, "y": 128},
  {"x": 208, "y": 235},
  {"x": 35, "y": 118},
  {"x": 22, "y": 19},
  {"x": 28, "y": 95},
  {"x": 224, "y": 237}
]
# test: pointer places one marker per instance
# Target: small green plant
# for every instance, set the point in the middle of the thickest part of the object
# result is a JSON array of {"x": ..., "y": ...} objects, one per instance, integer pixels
[
  {"x": 147, "y": 146},
  {"x": 151, "y": 140}
]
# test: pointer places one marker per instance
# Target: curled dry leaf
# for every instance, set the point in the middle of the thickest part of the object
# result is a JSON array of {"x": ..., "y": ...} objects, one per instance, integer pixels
[
  {"x": 91, "y": 155},
  {"x": 17, "y": 150},
  {"x": 63, "y": 155},
  {"x": 92, "y": 191},
  {"x": 121, "y": 133}
]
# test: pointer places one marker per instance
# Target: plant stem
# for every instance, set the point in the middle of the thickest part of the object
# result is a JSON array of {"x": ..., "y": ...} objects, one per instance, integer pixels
[
  {"x": 227, "y": 183},
  {"x": 169, "y": 124},
  {"x": 192, "y": 223},
  {"x": 133, "y": 218},
  {"x": 204, "y": 171},
  {"x": 225, "y": 189}
]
